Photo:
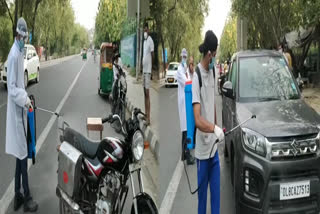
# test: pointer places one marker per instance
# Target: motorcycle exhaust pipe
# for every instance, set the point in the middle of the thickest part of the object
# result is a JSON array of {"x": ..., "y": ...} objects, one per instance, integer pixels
[{"x": 73, "y": 205}]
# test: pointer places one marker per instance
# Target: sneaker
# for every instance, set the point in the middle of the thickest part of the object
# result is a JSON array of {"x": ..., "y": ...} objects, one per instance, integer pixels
[
  {"x": 18, "y": 201},
  {"x": 30, "y": 205}
]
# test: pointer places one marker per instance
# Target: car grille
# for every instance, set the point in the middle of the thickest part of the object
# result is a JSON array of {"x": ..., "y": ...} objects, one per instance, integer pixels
[
  {"x": 293, "y": 148},
  {"x": 294, "y": 175}
]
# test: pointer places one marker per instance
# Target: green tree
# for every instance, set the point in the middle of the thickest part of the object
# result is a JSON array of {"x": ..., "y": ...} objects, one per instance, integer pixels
[
  {"x": 228, "y": 42},
  {"x": 109, "y": 21},
  {"x": 179, "y": 25},
  {"x": 269, "y": 21}
]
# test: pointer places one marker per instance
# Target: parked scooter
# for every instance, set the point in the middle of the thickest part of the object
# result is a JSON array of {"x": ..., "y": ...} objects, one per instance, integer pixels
[{"x": 92, "y": 176}]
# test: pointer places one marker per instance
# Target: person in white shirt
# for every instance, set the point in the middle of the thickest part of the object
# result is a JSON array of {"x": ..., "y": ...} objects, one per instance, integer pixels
[
  {"x": 148, "y": 48},
  {"x": 182, "y": 77},
  {"x": 208, "y": 132}
]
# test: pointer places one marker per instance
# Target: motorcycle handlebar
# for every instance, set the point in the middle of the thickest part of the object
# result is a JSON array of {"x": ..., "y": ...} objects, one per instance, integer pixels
[{"x": 138, "y": 111}]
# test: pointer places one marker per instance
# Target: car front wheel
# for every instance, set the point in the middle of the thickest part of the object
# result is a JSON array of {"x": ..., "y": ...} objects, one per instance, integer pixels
[{"x": 38, "y": 75}]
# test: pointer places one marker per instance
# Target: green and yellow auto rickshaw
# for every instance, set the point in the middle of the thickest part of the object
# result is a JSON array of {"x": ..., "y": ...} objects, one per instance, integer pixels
[
  {"x": 106, "y": 71},
  {"x": 84, "y": 54}
]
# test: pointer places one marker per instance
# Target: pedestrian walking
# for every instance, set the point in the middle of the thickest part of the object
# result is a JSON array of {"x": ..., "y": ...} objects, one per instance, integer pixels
[
  {"x": 203, "y": 93},
  {"x": 148, "y": 48},
  {"x": 17, "y": 105},
  {"x": 182, "y": 77}
]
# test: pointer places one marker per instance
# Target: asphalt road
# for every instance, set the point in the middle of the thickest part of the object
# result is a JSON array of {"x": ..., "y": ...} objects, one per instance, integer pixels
[
  {"x": 83, "y": 102},
  {"x": 170, "y": 150}
]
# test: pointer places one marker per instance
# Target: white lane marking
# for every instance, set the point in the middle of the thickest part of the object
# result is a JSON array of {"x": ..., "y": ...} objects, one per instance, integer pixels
[
  {"x": 9, "y": 194},
  {"x": 168, "y": 199},
  {"x": 3, "y": 104}
]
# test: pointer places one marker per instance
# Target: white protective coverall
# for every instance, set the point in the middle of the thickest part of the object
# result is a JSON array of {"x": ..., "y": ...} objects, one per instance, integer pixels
[
  {"x": 16, "y": 143},
  {"x": 181, "y": 79}
]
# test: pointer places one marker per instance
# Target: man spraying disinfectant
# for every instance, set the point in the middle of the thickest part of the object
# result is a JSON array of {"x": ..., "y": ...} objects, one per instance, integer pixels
[{"x": 18, "y": 103}]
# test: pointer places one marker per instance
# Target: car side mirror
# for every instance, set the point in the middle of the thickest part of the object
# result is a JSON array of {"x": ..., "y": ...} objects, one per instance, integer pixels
[{"x": 227, "y": 89}]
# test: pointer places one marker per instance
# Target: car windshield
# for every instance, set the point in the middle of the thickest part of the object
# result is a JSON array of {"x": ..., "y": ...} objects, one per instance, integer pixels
[
  {"x": 173, "y": 67},
  {"x": 266, "y": 78}
]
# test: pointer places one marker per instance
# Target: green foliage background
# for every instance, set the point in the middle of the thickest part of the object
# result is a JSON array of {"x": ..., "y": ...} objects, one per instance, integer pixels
[{"x": 52, "y": 22}]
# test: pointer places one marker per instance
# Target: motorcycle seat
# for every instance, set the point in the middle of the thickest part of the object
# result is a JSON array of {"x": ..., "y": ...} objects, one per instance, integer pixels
[{"x": 86, "y": 146}]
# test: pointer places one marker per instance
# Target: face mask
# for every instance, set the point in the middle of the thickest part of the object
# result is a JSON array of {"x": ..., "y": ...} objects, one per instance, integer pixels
[
  {"x": 184, "y": 62},
  {"x": 211, "y": 65},
  {"x": 21, "y": 44},
  {"x": 145, "y": 35}
]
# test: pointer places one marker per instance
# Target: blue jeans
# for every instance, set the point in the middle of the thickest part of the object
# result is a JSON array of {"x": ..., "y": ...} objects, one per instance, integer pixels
[
  {"x": 22, "y": 171},
  {"x": 209, "y": 172}
]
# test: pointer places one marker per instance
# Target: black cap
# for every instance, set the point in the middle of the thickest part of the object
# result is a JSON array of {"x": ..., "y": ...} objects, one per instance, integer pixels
[{"x": 210, "y": 42}]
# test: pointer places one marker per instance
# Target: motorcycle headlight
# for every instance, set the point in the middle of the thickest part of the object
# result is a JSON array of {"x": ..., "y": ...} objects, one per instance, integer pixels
[
  {"x": 137, "y": 145},
  {"x": 254, "y": 141}
]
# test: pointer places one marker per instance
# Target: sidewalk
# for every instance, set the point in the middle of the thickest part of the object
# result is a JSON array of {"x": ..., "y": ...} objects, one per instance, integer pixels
[
  {"x": 312, "y": 97},
  {"x": 135, "y": 97}
]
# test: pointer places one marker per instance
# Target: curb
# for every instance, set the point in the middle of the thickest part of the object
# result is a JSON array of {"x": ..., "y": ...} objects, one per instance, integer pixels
[{"x": 148, "y": 133}]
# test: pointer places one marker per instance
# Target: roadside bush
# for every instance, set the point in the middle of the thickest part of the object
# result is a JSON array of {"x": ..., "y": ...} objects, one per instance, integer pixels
[{"x": 5, "y": 38}]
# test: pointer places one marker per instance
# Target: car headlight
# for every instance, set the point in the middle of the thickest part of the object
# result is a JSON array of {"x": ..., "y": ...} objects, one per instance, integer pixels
[
  {"x": 254, "y": 141},
  {"x": 137, "y": 145}
]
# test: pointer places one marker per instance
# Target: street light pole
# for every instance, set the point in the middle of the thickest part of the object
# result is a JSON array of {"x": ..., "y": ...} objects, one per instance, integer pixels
[{"x": 138, "y": 41}]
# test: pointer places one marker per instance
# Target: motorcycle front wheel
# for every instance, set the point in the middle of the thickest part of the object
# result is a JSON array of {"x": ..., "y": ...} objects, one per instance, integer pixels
[{"x": 145, "y": 205}]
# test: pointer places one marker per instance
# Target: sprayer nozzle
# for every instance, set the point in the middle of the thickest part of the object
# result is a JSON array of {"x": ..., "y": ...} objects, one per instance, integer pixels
[{"x": 254, "y": 116}]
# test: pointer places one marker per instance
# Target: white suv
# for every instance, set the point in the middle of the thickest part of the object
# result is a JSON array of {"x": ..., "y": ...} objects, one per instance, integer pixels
[{"x": 31, "y": 66}]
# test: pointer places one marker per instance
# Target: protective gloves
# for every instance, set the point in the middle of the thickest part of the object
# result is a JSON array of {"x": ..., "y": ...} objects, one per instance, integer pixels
[
  {"x": 29, "y": 104},
  {"x": 219, "y": 133}
]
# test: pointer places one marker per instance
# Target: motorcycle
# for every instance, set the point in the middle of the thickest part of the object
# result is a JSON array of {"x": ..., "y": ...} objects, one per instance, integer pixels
[
  {"x": 221, "y": 81},
  {"x": 92, "y": 176},
  {"x": 119, "y": 93}
]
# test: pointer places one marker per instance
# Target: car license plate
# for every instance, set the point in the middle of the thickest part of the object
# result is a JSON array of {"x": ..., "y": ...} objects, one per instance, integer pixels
[
  {"x": 170, "y": 80},
  {"x": 294, "y": 190}
]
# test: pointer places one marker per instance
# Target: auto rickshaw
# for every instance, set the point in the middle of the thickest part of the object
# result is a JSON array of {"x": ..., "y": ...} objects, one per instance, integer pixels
[
  {"x": 84, "y": 54},
  {"x": 106, "y": 71}
]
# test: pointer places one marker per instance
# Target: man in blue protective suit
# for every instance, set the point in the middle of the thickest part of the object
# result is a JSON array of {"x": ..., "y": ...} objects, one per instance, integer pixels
[
  {"x": 203, "y": 94},
  {"x": 18, "y": 103}
]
